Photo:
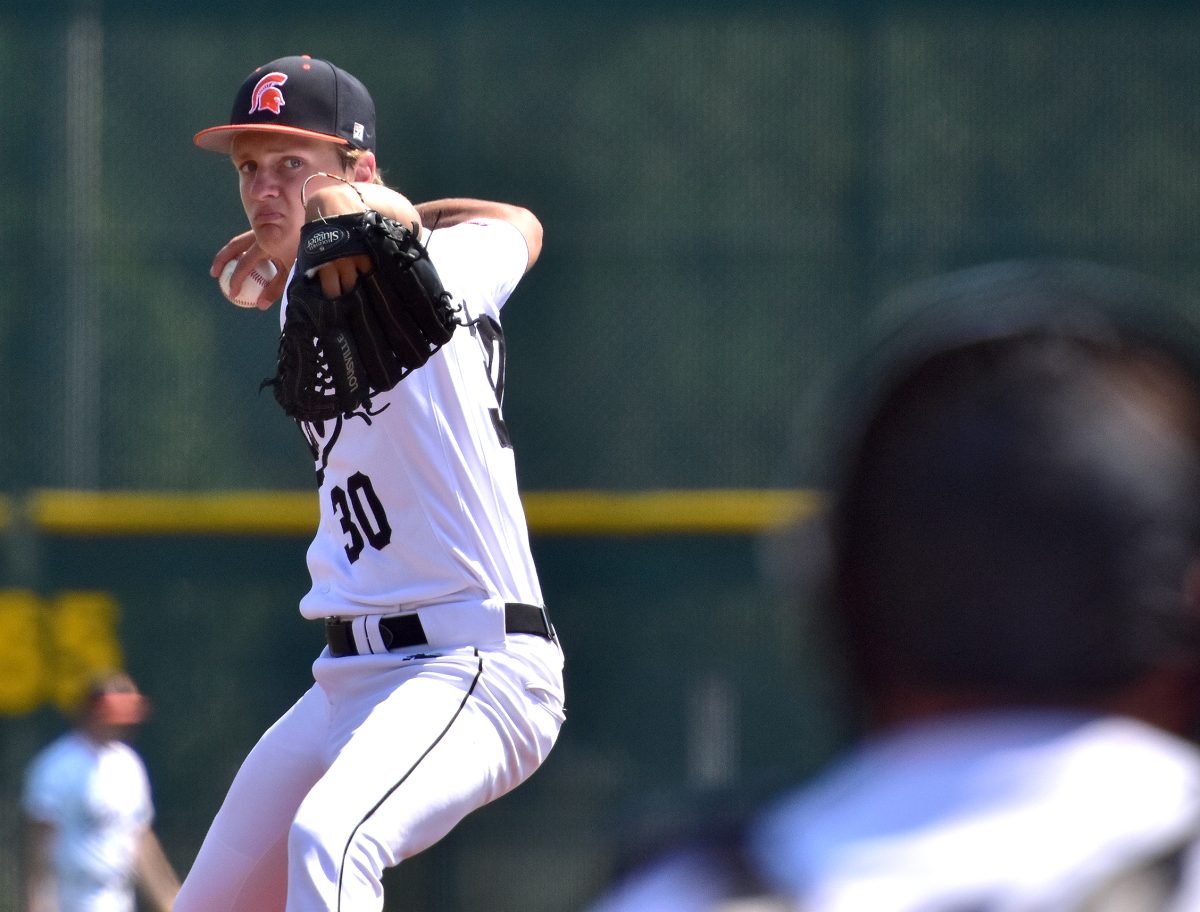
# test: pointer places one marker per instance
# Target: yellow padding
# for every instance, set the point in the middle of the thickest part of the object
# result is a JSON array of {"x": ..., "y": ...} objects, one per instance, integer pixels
[
  {"x": 133, "y": 513},
  {"x": 713, "y": 511}
]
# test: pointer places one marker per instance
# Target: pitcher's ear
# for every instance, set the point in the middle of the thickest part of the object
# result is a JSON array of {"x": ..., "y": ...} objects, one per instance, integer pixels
[{"x": 365, "y": 167}]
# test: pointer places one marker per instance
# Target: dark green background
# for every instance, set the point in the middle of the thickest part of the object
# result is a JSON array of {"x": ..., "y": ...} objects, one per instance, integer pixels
[{"x": 727, "y": 191}]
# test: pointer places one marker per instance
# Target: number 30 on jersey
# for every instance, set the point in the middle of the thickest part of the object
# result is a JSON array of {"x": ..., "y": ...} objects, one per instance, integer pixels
[{"x": 361, "y": 515}]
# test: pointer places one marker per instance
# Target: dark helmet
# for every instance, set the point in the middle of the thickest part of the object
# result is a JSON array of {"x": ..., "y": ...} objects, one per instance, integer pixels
[{"x": 1018, "y": 505}]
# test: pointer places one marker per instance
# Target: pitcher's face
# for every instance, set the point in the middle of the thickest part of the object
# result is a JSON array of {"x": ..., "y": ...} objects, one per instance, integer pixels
[{"x": 272, "y": 170}]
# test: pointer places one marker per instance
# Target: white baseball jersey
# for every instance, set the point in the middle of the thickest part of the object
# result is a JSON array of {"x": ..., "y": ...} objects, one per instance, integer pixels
[
  {"x": 419, "y": 500},
  {"x": 97, "y": 798},
  {"x": 1007, "y": 811}
]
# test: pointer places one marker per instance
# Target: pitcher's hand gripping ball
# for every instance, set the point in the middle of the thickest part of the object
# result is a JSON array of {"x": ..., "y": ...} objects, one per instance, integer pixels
[
  {"x": 252, "y": 286},
  {"x": 334, "y": 353}
]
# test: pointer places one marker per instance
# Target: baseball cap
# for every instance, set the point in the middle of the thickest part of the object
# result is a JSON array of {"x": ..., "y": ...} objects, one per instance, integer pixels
[{"x": 302, "y": 96}]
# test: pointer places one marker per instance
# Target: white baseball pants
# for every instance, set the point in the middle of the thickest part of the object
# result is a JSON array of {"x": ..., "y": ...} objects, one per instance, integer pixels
[{"x": 376, "y": 762}]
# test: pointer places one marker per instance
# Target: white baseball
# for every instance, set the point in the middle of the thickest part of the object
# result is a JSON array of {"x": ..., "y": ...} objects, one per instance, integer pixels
[{"x": 248, "y": 294}]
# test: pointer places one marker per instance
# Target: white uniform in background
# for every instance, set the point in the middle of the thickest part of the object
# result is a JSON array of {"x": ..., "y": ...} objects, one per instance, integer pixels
[{"x": 97, "y": 799}]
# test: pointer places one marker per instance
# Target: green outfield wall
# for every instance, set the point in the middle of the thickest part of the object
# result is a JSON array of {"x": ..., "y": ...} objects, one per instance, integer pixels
[{"x": 728, "y": 192}]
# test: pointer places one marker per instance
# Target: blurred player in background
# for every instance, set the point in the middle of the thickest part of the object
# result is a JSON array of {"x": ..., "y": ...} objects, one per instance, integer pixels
[
  {"x": 1014, "y": 536},
  {"x": 441, "y": 688},
  {"x": 89, "y": 814}
]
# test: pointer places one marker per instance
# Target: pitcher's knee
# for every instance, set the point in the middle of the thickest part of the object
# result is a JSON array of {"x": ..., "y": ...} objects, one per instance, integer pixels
[
  {"x": 310, "y": 851},
  {"x": 319, "y": 851}
]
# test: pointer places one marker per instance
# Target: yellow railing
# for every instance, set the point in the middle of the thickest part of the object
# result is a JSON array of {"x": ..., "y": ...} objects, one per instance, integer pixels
[{"x": 667, "y": 512}]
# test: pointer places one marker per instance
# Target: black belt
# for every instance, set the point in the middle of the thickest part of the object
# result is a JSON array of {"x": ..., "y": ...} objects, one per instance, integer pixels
[{"x": 401, "y": 631}]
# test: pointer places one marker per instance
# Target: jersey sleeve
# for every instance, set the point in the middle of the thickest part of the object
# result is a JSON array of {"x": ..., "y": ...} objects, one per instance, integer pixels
[{"x": 483, "y": 259}]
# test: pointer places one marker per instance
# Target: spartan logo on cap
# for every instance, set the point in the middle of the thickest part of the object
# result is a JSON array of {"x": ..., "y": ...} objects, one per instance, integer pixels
[{"x": 267, "y": 95}]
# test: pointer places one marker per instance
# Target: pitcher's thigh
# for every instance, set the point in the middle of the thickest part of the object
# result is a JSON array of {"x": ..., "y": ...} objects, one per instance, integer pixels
[
  {"x": 242, "y": 864},
  {"x": 432, "y": 752}
]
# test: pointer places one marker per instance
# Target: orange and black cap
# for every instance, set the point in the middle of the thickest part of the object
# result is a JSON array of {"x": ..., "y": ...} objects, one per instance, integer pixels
[{"x": 302, "y": 96}]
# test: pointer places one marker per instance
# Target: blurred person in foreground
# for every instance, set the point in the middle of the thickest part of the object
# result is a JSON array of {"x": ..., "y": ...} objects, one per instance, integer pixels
[
  {"x": 1012, "y": 575},
  {"x": 89, "y": 813}
]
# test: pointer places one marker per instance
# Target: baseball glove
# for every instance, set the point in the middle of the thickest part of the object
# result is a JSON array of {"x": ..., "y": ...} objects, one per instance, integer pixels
[{"x": 334, "y": 353}]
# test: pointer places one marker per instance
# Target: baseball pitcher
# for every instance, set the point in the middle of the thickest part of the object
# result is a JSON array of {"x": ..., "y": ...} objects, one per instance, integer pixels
[{"x": 441, "y": 685}]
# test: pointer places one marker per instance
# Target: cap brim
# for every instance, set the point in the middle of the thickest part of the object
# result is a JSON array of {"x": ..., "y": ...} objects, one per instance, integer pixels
[{"x": 220, "y": 139}]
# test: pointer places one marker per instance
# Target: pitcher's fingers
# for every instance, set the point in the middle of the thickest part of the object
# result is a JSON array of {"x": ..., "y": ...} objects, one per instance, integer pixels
[
  {"x": 273, "y": 290},
  {"x": 338, "y": 276},
  {"x": 234, "y": 248},
  {"x": 329, "y": 275}
]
